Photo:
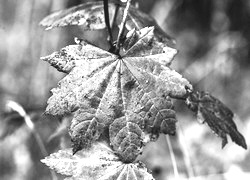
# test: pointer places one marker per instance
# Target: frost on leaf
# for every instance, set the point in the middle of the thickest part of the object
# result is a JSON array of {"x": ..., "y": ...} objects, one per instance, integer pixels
[
  {"x": 90, "y": 16},
  {"x": 127, "y": 95},
  {"x": 216, "y": 115},
  {"x": 97, "y": 163}
]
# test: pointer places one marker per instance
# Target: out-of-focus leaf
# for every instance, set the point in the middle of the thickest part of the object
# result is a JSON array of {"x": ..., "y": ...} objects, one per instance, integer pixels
[
  {"x": 97, "y": 163},
  {"x": 62, "y": 129},
  {"x": 13, "y": 118},
  {"x": 91, "y": 16},
  {"x": 102, "y": 89},
  {"x": 10, "y": 124},
  {"x": 216, "y": 115}
]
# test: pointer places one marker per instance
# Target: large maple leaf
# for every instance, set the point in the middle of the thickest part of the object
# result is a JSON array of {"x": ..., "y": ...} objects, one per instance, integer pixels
[
  {"x": 127, "y": 94},
  {"x": 97, "y": 163}
]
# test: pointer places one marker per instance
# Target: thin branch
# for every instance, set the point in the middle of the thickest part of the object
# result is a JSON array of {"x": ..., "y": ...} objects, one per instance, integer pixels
[
  {"x": 125, "y": 14},
  {"x": 106, "y": 16}
]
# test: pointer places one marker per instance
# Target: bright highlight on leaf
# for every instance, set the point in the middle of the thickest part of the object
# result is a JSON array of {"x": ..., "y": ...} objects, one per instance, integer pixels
[
  {"x": 97, "y": 163},
  {"x": 103, "y": 89}
]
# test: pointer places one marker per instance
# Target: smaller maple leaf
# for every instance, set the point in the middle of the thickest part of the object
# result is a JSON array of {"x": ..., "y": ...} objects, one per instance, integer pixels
[
  {"x": 217, "y": 116},
  {"x": 97, "y": 163},
  {"x": 90, "y": 16}
]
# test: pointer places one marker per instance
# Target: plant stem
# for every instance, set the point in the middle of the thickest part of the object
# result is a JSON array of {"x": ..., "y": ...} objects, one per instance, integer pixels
[
  {"x": 117, "y": 6},
  {"x": 106, "y": 16},
  {"x": 176, "y": 173},
  {"x": 125, "y": 14},
  {"x": 185, "y": 150}
]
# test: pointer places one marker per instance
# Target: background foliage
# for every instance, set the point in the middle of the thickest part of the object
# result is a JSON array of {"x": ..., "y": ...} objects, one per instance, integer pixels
[{"x": 213, "y": 42}]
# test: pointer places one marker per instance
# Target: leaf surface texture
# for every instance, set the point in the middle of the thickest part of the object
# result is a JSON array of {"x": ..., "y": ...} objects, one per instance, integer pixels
[
  {"x": 97, "y": 163},
  {"x": 127, "y": 96}
]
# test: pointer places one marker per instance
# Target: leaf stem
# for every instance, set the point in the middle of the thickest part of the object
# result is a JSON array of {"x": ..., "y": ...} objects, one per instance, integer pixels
[
  {"x": 117, "y": 7},
  {"x": 106, "y": 16},
  {"x": 112, "y": 47},
  {"x": 125, "y": 14}
]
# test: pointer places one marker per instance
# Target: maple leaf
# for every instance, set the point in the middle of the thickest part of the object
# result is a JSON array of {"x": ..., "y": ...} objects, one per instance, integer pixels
[
  {"x": 90, "y": 16},
  {"x": 129, "y": 94},
  {"x": 97, "y": 163},
  {"x": 217, "y": 116}
]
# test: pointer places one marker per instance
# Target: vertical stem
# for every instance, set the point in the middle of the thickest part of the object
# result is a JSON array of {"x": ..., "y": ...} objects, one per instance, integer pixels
[
  {"x": 185, "y": 151},
  {"x": 106, "y": 16},
  {"x": 125, "y": 14},
  {"x": 112, "y": 48},
  {"x": 117, "y": 7},
  {"x": 176, "y": 173}
]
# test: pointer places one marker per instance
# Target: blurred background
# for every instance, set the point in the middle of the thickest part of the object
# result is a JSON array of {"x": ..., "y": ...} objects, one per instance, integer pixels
[{"x": 213, "y": 39}]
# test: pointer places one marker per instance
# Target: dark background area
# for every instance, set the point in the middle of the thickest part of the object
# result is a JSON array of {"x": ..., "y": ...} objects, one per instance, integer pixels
[{"x": 213, "y": 41}]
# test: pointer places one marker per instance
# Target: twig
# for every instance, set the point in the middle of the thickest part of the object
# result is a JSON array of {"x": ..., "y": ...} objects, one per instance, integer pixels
[
  {"x": 125, "y": 14},
  {"x": 176, "y": 173}
]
